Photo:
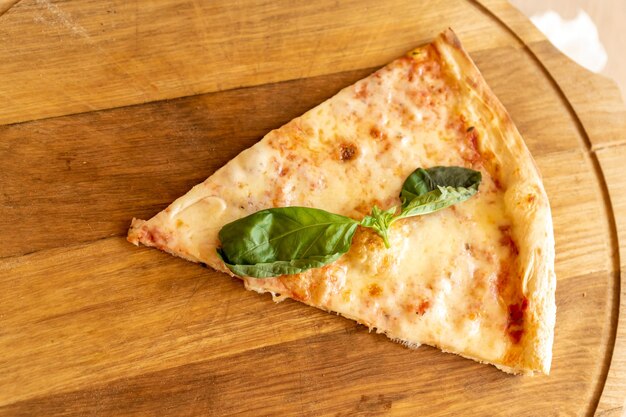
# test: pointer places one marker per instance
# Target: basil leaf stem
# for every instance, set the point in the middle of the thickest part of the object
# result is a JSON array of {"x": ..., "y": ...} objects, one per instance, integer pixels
[{"x": 380, "y": 221}]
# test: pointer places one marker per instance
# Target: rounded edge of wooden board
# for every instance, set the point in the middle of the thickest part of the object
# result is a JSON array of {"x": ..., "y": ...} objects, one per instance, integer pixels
[
  {"x": 611, "y": 398},
  {"x": 5, "y": 6}
]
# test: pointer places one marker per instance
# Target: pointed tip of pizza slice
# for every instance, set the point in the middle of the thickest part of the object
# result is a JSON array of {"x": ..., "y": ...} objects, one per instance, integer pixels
[{"x": 476, "y": 279}]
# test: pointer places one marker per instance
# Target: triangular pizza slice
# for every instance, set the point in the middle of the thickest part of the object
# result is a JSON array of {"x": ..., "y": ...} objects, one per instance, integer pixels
[{"x": 476, "y": 279}]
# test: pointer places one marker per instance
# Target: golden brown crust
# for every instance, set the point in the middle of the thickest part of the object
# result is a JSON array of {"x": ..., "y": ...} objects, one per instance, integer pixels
[{"x": 526, "y": 203}]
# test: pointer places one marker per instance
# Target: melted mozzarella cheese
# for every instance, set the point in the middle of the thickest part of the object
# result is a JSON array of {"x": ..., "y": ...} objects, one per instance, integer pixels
[{"x": 440, "y": 283}]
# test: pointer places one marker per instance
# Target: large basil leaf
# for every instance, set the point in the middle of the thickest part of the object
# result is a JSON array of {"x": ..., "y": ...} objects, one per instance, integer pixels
[
  {"x": 432, "y": 189},
  {"x": 285, "y": 240}
]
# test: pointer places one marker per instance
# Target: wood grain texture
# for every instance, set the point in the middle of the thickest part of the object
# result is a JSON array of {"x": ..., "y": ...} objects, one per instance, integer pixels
[
  {"x": 90, "y": 325},
  {"x": 377, "y": 378},
  {"x": 613, "y": 162},
  {"x": 79, "y": 56}
]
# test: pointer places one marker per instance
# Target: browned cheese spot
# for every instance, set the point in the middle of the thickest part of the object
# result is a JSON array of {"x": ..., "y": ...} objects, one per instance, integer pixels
[
  {"x": 347, "y": 151},
  {"x": 374, "y": 290}
]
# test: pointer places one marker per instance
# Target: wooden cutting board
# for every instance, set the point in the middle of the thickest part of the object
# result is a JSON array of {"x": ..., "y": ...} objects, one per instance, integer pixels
[{"x": 111, "y": 109}]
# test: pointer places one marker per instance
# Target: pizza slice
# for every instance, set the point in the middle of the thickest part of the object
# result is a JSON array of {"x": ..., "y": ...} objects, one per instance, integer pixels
[{"x": 476, "y": 279}]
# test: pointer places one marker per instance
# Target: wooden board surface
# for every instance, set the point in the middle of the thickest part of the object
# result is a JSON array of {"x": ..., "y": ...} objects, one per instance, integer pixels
[{"x": 105, "y": 100}]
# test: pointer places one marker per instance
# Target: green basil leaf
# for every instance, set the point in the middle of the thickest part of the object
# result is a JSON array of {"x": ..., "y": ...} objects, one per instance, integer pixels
[
  {"x": 429, "y": 190},
  {"x": 285, "y": 240},
  {"x": 422, "y": 181}
]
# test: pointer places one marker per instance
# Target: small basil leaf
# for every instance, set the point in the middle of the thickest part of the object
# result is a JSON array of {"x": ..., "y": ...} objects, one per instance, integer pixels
[
  {"x": 423, "y": 181},
  {"x": 429, "y": 190},
  {"x": 284, "y": 240}
]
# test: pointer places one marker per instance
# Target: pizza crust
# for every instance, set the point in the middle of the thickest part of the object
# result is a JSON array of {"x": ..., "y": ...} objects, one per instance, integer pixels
[{"x": 526, "y": 202}]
